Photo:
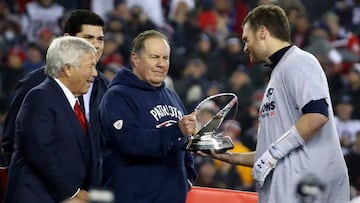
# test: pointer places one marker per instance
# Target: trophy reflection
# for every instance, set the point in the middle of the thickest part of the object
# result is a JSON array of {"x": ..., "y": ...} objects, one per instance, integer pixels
[{"x": 210, "y": 136}]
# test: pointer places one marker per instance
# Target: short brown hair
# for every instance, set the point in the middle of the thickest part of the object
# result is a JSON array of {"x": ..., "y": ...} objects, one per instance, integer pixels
[
  {"x": 273, "y": 18},
  {"x": 137, "y": 45}
]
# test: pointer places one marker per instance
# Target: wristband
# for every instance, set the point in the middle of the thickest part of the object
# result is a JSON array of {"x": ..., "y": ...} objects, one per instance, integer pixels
[{"x": 286, "y": 143}]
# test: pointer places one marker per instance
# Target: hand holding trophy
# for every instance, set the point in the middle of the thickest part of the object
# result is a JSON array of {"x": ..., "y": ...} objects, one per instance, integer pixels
[{"x": 210, "y": 137}]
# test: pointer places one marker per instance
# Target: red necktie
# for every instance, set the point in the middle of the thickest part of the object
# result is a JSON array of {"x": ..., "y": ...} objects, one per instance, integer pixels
[{"x": 80, "y": 115}]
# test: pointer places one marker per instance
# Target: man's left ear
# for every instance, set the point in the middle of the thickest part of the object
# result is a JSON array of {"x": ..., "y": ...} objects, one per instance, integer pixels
[
  {"x": 262, "y": 31},
  {"x": 67, "y": 69},
  {"x": 134, "y": 58}
]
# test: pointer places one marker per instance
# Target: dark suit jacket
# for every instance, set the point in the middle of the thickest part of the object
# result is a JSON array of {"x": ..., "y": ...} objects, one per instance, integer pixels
[
  {"x": 53, "y": 157},
  {"x": 31, "y": 80}
]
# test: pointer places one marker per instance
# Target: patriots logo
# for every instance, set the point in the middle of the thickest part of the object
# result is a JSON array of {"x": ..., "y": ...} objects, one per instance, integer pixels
[
  {"x": 166, "y": 124},
  {"x": 118, "y": 124},
  {"x": 269, "y": 92}
]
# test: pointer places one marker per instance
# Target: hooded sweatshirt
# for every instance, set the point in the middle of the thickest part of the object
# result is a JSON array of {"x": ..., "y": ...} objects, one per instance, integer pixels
[{"x": 143, "y": 156}]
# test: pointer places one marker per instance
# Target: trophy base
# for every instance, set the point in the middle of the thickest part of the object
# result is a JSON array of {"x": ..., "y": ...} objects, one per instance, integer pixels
[{"x": 219, "y": 144}]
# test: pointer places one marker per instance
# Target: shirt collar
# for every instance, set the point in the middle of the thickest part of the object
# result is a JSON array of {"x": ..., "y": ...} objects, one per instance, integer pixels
[
  {"x": 275, "y": 57},
  {"x": 69, "y": 96}
]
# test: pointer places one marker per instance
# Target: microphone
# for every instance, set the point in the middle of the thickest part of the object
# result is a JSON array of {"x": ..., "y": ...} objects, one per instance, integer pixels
[{"x": 309, "y": 188}]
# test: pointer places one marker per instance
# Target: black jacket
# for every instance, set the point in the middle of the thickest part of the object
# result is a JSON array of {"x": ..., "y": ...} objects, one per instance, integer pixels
[
  {"x": 33, "y": 79},
  {"x": 52, "y": 158}
]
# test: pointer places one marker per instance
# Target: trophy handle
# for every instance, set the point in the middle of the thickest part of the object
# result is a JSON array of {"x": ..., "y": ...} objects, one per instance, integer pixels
[
  {"x": 208, "y": 138},
  {"x": 216, "y": 120}
]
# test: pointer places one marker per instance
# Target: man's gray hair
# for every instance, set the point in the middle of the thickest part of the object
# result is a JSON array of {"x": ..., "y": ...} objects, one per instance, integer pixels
[{"x": 66, "y": 50}]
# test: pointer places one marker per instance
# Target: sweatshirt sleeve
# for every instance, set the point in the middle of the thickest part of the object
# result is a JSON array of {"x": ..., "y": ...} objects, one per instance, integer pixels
[{"x": 119, "y": 117}]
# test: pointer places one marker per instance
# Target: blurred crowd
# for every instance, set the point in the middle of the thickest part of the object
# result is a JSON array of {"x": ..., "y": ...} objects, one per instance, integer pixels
[{"x": 206, "y": 59}]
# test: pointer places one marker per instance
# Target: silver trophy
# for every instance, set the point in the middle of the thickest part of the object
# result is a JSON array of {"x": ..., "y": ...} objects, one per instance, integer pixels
[{"x": 210, "y": 136}]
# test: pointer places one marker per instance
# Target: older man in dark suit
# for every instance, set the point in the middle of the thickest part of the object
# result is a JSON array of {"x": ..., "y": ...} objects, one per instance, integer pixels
[
  {"x": 80, "y": 23},
  {"x": 54, "y": 151}
]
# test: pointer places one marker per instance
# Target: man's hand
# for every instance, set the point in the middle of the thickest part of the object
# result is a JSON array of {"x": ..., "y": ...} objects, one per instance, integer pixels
[
  {"x": 279, "y": 149},
  {"x": 81, "y": 197},
  {"x": 187, "y": 124},
  {"x": 227, "y": 156},
  {"x": 263, "y": 166}
]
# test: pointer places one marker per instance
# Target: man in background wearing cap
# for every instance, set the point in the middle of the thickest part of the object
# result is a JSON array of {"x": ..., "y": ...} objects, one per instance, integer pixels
[{"x": 346, "y": 126}]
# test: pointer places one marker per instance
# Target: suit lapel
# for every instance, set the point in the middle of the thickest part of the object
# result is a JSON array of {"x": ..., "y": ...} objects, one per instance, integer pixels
[
  {"x": 81, "y": 100},
  {"x": 70, "y": 116}
]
